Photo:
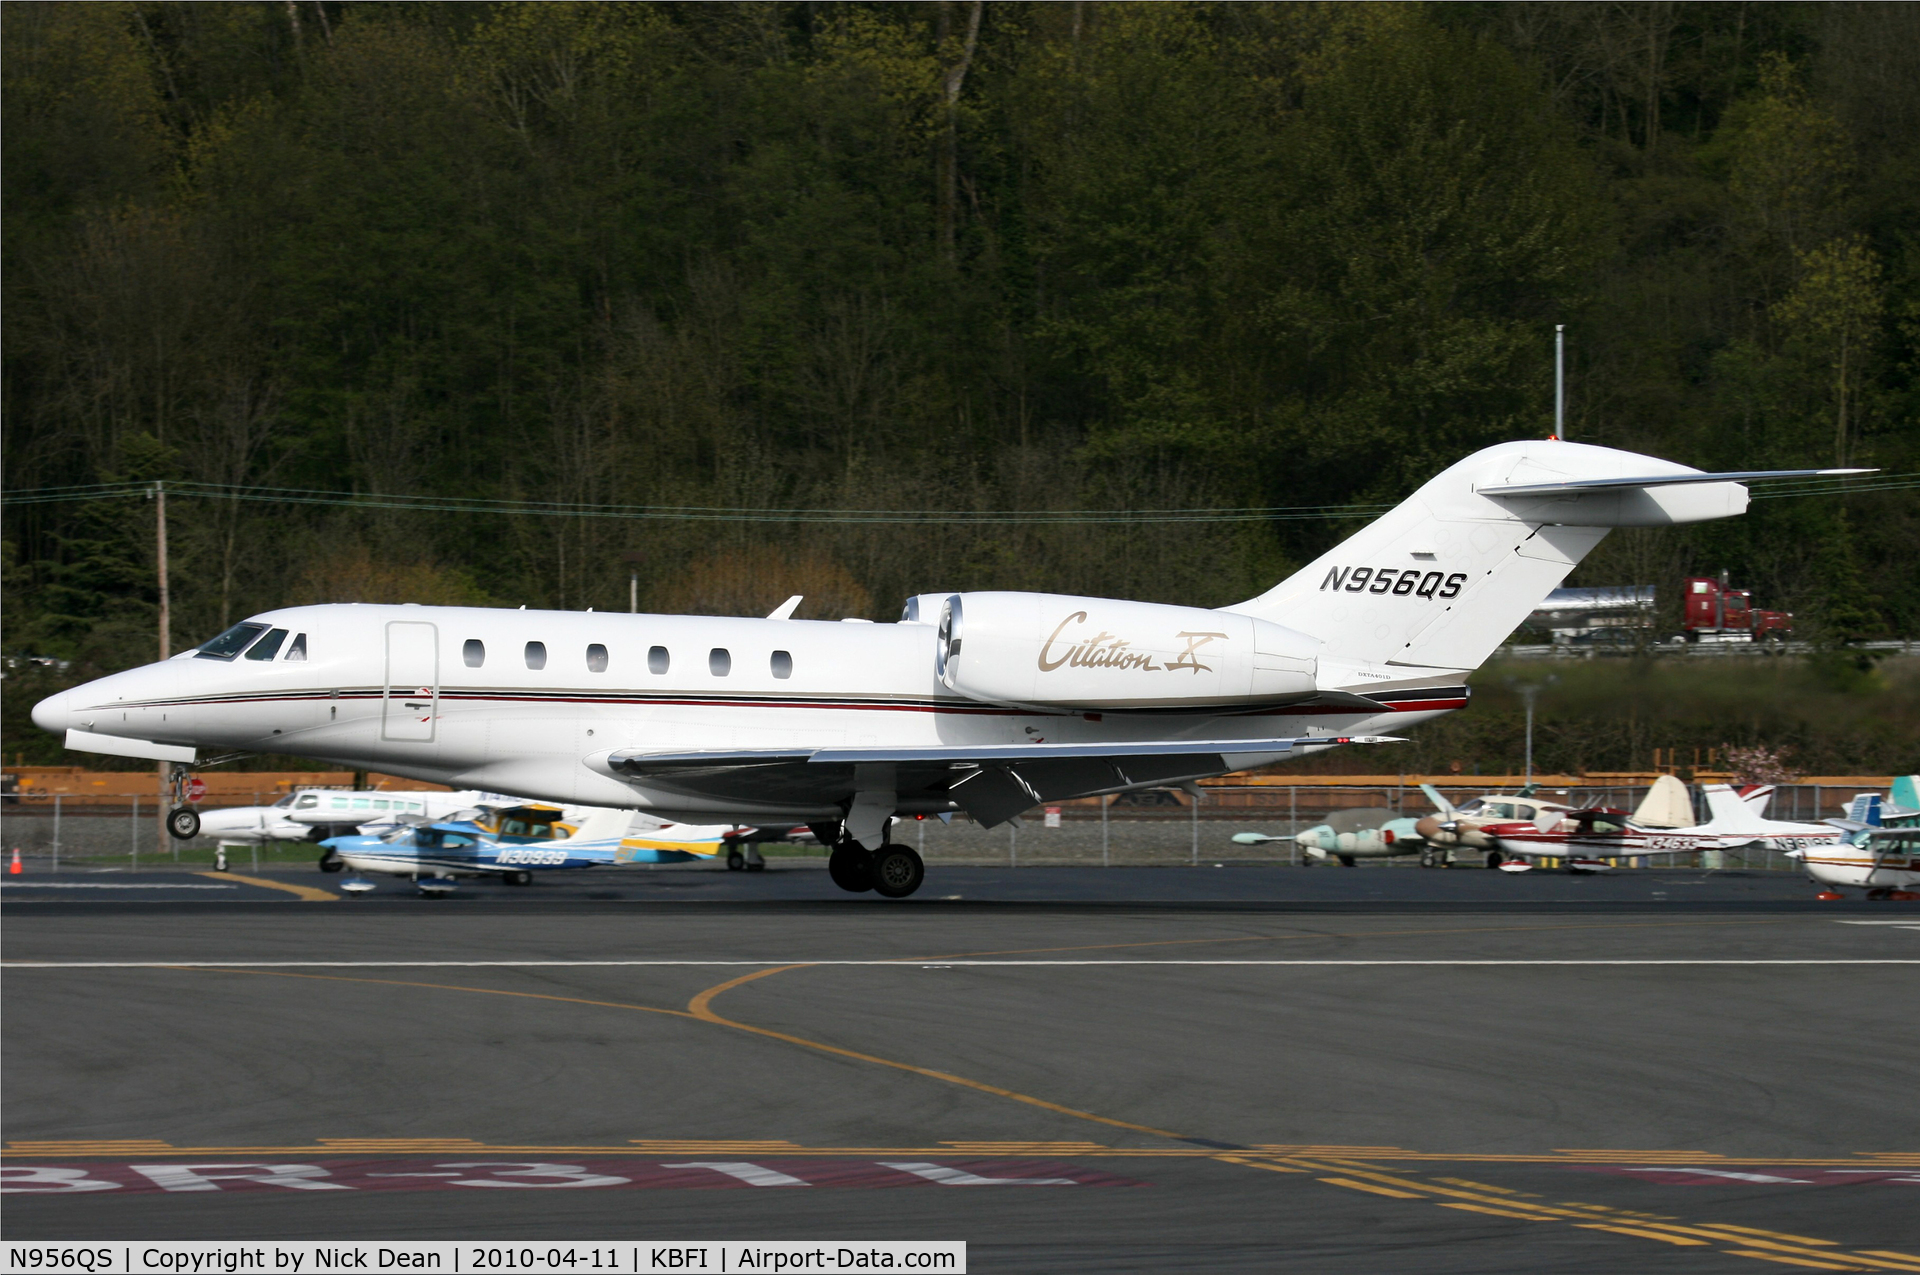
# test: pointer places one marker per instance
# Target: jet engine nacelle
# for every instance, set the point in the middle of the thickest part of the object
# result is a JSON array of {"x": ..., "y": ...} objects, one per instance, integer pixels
[{"x": 1054, "y": 651}]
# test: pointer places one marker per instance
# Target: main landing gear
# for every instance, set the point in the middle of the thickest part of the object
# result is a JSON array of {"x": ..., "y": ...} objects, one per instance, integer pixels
[
  {"x": 745, "y": 859},
  {"x": 892, "y": 871},
  {"x": 330, "y": 861}
]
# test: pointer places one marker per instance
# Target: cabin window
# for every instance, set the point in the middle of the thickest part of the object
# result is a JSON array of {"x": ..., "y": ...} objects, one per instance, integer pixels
[
  {"x": 307, "y": 802},
  {"x": 298, "y": 651},
  {"x": 783, "y": 664},
  {"x": 536, "y": 655},
  {"x": 339, "y": 803},
  {"x": 719, "y": 663},
  {"x": 657, "y": 659},
  {"x": 267, "y": 647},
  {"x": 379, "y": 805},
  {"x": 362, "y": 803},
  {"x": 474, "y": 652},
  {"x": 230, "y": 643},
  {"x": 596, "y": 658}
]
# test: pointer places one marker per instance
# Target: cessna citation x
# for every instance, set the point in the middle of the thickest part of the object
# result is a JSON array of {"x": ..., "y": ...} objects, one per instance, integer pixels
[{"x": 979, "y": 703}]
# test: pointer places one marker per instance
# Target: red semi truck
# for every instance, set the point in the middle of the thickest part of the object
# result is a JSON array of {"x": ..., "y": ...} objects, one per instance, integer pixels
[{"x": 1716, "y": 613}]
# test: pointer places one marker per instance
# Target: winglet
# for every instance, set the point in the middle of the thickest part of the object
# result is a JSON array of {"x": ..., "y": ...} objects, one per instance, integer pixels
[{"x": 786, "y": 609}]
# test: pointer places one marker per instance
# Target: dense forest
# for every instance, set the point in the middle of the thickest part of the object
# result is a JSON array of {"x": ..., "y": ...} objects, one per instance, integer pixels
[{"x": 1147, "y": 300}]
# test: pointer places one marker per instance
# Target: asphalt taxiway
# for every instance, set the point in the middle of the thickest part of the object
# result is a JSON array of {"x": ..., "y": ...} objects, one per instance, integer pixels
[{"x": 1073, "y": 1082}]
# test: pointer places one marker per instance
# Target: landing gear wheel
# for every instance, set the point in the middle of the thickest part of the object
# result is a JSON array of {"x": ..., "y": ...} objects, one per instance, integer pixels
[
  {"x": 897, "y": 872},
  {"x": 1493, "y": 858},
  {"x": 1880, "y": 892},
  {"x": 1426, "y": 858},
  {"x": 851, "y": 867},
  {"x": 183, "y": 823},
  {"x": 220, "y": 859},
  {"x": 756, "y": 865},
  {"x": 519, "y": 878},
  {"x": 735, "y": 861},
  {"x": 1346, "y": 860},
  {"x": 330, "y": 862}
]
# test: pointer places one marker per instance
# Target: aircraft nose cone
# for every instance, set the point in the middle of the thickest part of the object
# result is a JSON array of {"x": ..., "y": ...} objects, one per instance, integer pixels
[{"x": 51, "y": 713}]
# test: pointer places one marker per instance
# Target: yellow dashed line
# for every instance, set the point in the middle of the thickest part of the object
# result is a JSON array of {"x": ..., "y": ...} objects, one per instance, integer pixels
[
  {"x": 1645, "y": 1235},
  {"x": 1790, "y": 1261},
  {"x": 1482, "y": 1208},
  {"x": 1372, "y": 1190}
]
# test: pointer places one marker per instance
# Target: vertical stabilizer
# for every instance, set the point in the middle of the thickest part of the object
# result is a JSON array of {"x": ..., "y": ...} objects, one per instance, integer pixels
[
  {"x": 1726, "y": 812},
  {"x": 1666, "y": 805},
  {"x": 602, "y": 824},
  {"x": 1441, "y": 580}
]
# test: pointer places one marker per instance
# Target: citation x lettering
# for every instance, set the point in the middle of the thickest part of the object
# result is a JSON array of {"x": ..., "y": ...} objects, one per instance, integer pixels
[{"x": 952, "y": 710}]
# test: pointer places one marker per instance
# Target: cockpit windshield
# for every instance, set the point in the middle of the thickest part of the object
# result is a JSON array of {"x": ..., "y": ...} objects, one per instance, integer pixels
[
  {"x": 285, "y": 801},
  {"x": 232, "y": 642},
  {"x": 267, "y": 647}
]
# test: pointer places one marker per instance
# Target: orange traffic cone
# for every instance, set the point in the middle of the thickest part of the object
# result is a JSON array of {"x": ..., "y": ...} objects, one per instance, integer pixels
[{"x": 15, "y": 870}]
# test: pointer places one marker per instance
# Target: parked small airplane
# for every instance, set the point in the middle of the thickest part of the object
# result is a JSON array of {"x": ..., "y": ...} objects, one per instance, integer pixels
[
  {"x": 1466, "y": 824},
  {"x": 1883, "y": 860},
  {"x": 252, "y": 825},
  {"x": 979, "y": 703},
  {"x": 464, "y": 846},
  {"x": 1360, "y": 833},
  {"x": 1587, "y": 839}
]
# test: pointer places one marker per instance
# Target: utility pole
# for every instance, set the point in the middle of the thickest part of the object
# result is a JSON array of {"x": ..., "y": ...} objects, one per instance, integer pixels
[
  {"x": 1560, "y": 380},
  {"x": 166, "y": 635},
  {"x": 160, "y": 543}
]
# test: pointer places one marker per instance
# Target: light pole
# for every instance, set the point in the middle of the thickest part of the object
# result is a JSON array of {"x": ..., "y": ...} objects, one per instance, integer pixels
[{"x": 1528, "y": 692}]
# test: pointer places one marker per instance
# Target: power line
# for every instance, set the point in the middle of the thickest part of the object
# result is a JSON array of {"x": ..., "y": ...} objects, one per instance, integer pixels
[
  {"x": 679, "y": 513},
  {"x": 89, "y": 492}
]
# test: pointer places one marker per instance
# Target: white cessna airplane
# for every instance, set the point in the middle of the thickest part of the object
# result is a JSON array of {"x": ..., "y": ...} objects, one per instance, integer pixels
[{"x": 982, "y": 703}]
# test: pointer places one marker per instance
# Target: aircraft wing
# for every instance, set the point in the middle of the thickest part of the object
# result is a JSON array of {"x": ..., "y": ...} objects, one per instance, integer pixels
[{"x": 991, "y": 782}]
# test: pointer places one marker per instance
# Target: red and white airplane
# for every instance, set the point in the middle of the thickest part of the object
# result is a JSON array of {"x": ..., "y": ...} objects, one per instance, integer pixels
[
  {"x": 979, "y": 703},
  {"x": 1588, "y": 839}
]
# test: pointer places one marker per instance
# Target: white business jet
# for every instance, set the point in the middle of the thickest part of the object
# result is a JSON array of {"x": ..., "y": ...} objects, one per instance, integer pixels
[{"x": 979, "y": 703}]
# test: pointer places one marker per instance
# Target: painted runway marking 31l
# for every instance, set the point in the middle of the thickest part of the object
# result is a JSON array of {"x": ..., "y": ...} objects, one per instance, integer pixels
[{"x": 236, "y": 1174}]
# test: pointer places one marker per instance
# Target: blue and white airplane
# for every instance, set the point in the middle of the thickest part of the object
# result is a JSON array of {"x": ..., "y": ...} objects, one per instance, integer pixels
[{"x": 461, "y": 846}]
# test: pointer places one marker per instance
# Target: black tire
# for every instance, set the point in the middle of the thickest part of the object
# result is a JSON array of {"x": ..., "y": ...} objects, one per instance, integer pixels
[
  {"x": 1346, "y": 860},
  {"x": 1493, "y": 859},
  {"x": 219, "y": 860},
  {"x": 897, "y": 872},
  {"x": 183, "y": 823},
  {"x": 851, "y": 868},
  {"x": 330, "y": 862},
  {"x": 522, "y": 877},
  {"x": 759, "y": 865},
  {"x": 735, "y": 861}
]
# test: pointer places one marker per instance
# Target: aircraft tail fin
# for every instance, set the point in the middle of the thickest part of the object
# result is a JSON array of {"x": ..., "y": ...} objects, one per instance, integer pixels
[
  {"x": 1727, "y": 812},
  {"x": 1442, "y": 579},
  {"x": 1758, "y": 797},
  {"x": 1666, "y": 805},
  {"x": 601, "y": 823}
]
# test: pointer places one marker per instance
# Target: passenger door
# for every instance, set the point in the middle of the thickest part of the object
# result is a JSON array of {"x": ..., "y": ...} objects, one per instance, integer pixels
[{"x": 411, "y": 703}]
